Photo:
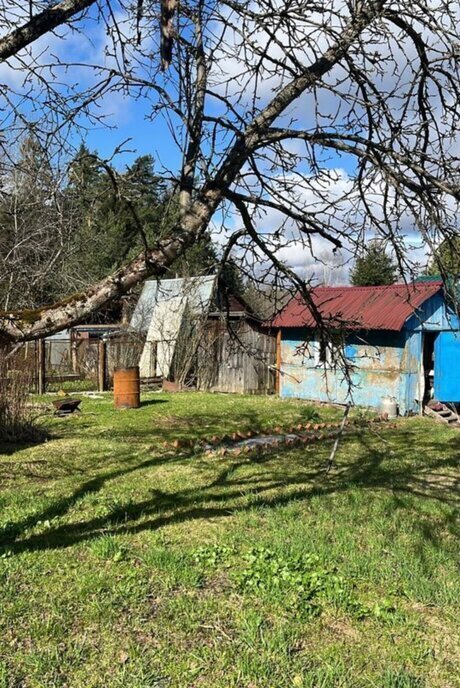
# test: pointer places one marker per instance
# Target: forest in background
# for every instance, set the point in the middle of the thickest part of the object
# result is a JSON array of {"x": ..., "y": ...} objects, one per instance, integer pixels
[{"x": 59, "y": 234}]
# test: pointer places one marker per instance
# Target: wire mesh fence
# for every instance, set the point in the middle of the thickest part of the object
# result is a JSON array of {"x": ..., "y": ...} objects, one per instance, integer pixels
[
  {"x": 71, "y": 364},
  {"x": 210, "y": 358},
  {"x": 74, "y": 363}
]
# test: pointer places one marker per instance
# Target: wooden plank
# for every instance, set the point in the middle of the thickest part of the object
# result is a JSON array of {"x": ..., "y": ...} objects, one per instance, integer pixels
[
  {"x": 41, "y": 367},
  {"x": 278, "y": 362},
  {"x": 444, "y": 415},
  {"x": 101, "y": 366}
]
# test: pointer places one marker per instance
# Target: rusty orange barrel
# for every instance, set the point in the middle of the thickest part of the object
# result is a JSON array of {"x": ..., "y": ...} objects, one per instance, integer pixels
[{"x": 126, "y": 388}]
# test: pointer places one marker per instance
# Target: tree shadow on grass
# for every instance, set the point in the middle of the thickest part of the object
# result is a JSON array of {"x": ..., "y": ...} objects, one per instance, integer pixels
[
  {"x": 33, "y": 436},
  {"x": 160, "y": 428},
  {"x": 63, "y": 505},
  {"x": 368, "y": 465}
]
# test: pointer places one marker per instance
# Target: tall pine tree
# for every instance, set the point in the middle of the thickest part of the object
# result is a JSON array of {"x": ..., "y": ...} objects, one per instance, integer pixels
[{"x": 374, "y": 268}]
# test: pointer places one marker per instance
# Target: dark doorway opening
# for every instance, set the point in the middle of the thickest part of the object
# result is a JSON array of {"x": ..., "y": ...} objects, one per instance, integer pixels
[{"x": 429, "y": 339}]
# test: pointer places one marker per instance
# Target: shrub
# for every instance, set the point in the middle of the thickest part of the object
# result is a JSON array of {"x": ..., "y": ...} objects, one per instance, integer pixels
[{"x": 17, "y": 415}]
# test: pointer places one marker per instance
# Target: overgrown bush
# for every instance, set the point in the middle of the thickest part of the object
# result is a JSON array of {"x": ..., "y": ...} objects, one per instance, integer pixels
[{"x": 17, "y": 415}]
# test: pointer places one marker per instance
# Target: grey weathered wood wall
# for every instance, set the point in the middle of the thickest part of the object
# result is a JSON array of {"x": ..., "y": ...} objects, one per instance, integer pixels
[{"x": 239, "y": 362}]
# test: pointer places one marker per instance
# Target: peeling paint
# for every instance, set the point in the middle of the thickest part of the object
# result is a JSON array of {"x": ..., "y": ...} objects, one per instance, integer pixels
[
  {"x": 383, "y": 363},
  {"x": 377, "y": 364}
]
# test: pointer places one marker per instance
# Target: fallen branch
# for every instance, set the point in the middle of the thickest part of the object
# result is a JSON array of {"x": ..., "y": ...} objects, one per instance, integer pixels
[{"x": 337, "y": 439}]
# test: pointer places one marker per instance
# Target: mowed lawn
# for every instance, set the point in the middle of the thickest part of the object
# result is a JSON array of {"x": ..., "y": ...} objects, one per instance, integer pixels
[{"x": 126, "y": 563}]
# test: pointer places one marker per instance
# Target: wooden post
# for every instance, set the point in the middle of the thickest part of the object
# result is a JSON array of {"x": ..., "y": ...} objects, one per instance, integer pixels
[
  {"x": 337, "y": 439},
  {"x": 73, "y": 354},
  {"x": 41, "y": 366},
  {"x": 278, "y": 362},
  {"x": 101, "y": 365},
  {"x": 153, "y": 358}
]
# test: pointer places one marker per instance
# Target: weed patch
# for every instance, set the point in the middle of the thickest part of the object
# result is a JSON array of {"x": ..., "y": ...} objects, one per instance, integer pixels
[{"x": 299, "y": 583}]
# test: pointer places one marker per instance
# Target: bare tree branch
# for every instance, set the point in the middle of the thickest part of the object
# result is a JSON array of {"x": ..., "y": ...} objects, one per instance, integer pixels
[
  {"x": 41, "y": 24},
  {"x": 328, "y": 121}
]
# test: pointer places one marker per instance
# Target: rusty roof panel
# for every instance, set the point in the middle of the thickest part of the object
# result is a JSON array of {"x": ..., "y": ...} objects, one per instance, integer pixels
[{"x": 365, "y": 308}]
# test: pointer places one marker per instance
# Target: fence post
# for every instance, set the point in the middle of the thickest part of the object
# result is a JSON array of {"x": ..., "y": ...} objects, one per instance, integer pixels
[
  {"x": 41, "y": 367},
  {"x": 154, "y": 358},
  {"x": 101, "y": 366},
  {"x": 278, "y": 362},
  {"x": 73, "y": 355}
]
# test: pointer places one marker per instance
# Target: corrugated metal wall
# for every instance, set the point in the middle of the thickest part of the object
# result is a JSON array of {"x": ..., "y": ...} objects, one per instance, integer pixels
[
  {"x": 376, "y": 359},
  {"x": 386, "y": 363}
]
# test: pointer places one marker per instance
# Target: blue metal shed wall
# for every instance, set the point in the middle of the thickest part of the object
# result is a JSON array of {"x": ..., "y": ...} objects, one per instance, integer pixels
[
  {"x": 387, "y": 363},
  {"x": 433, "y": 315},
  {"x": 379, "y": 357}
]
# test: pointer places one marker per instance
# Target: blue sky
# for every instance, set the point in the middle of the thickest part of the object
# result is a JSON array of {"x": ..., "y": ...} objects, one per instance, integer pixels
[
  {"x": 126, "y": 116},
  {"x": 146, "y": 137}
]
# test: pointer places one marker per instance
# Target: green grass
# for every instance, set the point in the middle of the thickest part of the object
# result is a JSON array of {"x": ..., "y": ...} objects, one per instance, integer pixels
[
  {"x": 71, "y": 385},
  {"x": 123, "y": 563}
]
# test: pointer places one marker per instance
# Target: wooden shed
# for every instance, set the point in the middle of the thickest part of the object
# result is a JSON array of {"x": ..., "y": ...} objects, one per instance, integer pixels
[
  {"x": 237, "y": 355},
  {"x": 199, "y": 335}
]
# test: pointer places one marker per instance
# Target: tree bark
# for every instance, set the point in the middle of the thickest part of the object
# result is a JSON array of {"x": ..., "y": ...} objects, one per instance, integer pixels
[{"x": 39, "y": 25}]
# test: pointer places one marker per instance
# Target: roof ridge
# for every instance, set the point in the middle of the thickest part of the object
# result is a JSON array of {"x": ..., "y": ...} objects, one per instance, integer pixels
[{"x": 425, "y": 285}]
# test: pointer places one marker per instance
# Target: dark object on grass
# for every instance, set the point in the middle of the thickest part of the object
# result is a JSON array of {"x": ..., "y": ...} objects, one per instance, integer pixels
[{"x": 64, "y": 407}]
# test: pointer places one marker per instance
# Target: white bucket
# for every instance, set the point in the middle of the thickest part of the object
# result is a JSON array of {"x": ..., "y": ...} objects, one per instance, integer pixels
[{"x": 389, "y": 407}]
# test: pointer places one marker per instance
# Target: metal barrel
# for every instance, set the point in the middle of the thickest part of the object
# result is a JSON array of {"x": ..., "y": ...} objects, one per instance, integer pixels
[{"x": 126, "y": 388}]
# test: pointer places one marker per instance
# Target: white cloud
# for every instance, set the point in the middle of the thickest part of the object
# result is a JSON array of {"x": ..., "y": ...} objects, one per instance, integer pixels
[{"x": 333, "y": 198}]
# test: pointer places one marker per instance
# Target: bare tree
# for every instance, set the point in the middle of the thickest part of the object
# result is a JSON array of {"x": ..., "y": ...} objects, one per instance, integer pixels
[
  {"x": 268, "y": 102},
  {"x": 35, "y": 229}
]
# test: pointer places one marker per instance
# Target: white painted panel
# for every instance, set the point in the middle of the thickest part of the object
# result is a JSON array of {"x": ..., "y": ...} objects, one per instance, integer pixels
[{"x": 164, "y": 329}]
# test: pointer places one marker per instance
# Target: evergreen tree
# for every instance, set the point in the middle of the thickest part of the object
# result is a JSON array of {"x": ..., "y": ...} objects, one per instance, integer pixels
[
  {"x": 141, "y": 202},
  {"x": 109, "y": 219},
  {"x": 374, "y": 268},
  {"x": 57, "y": 238},
  {"x": 82, "y": 201},
  {"x": 446, "y": 259}
]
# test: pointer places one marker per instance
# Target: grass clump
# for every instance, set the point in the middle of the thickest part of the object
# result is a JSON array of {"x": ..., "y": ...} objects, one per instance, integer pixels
[
  {"x": 108, "y": 547},
  {"x": 401, "y": 679}
]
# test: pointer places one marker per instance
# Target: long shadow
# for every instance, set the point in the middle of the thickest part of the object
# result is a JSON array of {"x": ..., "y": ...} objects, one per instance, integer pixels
[
  {"x": 67, "y": 535},
  {"x": 60, "y": 507},
  {"x": 375, "y": 471},
  {"x": 8, "y": 448},
  {"x": 204, "y": 425},
  {"x": 170, "y": 427}
]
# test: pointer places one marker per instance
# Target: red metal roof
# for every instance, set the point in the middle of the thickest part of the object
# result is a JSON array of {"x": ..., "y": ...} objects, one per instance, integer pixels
[{"x": 366, "y": 308}]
